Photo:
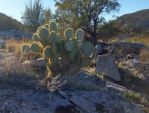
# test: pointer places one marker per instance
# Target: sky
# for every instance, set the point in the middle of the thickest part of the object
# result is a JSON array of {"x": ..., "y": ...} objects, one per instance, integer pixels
[{"x": 15, "y": 8}]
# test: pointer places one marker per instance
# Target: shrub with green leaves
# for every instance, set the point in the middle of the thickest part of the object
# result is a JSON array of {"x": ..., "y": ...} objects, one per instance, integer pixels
[{"x": 62, "y": 54}]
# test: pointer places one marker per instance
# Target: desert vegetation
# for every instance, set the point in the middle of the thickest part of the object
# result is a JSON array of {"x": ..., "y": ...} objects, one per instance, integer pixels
[{"x": 76, "y": 61}]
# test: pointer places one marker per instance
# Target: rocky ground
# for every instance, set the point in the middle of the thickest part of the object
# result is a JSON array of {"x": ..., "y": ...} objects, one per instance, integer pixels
[
  {"x": 81, "y": 93},
  {"x": 18, "y": 100}
]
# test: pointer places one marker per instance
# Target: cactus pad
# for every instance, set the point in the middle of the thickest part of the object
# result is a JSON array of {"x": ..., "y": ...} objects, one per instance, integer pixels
[
  {"x": 80, "y": 35},
  {"x": 53, "y": 26},
  {"x": 53, "y": 37},
  {"x": 26, "y": 49},
  {"x": 35, "y": 48},
  {"x": 46, "y": 26},
  {"x": 69, "y": 33},
  {"x": 43, "y": 35},
  {"x": 35, "y": 37},
  {"x": 69, "y": 45},
  {"x": 87, "y": 48},
  {"x": 48, "y": 53},
  {"x": 74, "y": 55}
]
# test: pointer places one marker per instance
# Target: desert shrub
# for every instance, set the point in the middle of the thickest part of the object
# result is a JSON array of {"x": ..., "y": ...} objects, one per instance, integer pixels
[
  {"x": 62, "y": 54},
  {"x": 144, "y": 55}
]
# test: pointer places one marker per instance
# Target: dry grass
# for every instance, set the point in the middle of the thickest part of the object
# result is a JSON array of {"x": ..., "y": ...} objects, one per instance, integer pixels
[
  {"x": 15, "y": 73},
  {"x": 144, "y": 56},
  {"x": 14, "y": 46},
  {"x": 12, "y": 71},
  {"x": 138, "y": 99}
]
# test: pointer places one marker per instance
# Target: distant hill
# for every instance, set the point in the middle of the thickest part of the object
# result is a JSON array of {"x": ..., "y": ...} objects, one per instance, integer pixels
[
  {"x": 7, "y": 23},
  {"x": 135, "y": 21}
]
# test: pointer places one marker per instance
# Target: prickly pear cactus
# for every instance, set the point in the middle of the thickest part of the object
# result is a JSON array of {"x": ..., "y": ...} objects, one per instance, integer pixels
[
  {"x": 59, "y": 52},
  {"x": 25, "y": 49}
]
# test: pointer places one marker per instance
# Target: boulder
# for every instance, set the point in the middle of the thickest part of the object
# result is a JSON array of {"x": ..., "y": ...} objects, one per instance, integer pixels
[
  {"x": 82, "y": 81},
  {"x": 106, "y": 64},
  {"x": 38, "y": 63}
]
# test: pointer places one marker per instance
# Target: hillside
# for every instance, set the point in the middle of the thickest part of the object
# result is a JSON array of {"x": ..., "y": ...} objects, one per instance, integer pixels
[
  {"x": 7, "y": 23},
  {"x": 135, "y": 21}
]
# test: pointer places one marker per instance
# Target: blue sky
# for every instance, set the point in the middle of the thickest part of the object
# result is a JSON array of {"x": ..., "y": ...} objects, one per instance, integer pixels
[{"x": 15, "y": 8}]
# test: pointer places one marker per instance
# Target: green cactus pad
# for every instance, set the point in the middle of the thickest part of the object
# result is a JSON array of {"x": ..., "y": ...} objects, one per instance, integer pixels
[
  {"x": 35, "y": 48},
  {"x": 39, "y": 28},
  {"x": 46, "y": 26},
  {"x": 87, "y": 48},
  {"x": 43, "y": 35},
  {"x": 53, "y": 26},
  {"x": 69, "y": 45},
  {"x": 35, "y": 37},
  {"x": 69, "y": 33},
  {"x": 80, "y": 35},
  {"x": 48, "y": 53},
  {"x": 54, "y": 60},
  {"x": 76, "y": 43},
  {"x": 53, "y": 37},
  {"x": 60, "y": 46},
  {"x": 74, "y": 55},
  {"x": 26, "y": 49}
]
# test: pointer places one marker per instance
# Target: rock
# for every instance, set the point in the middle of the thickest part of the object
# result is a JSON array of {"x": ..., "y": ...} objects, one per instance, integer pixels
[
  {"x": 83, "y": 81},
  {"x": 132, "y": 62},
  {"x": 127, "y": 47},
  {"x": 29, "y": 101},
  {"x": 101, "y": 102},
  {"x": 38, "y": 63},
  {"x": 106, "y": 64}
]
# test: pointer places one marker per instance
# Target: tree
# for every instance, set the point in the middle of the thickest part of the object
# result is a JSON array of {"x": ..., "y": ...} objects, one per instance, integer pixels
[
  {"x": 32, "y": 15},
  {"x": 47, "y": 15},
  {"x": 87, "y": 14},
  {"x": 109, "y": 30}
]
